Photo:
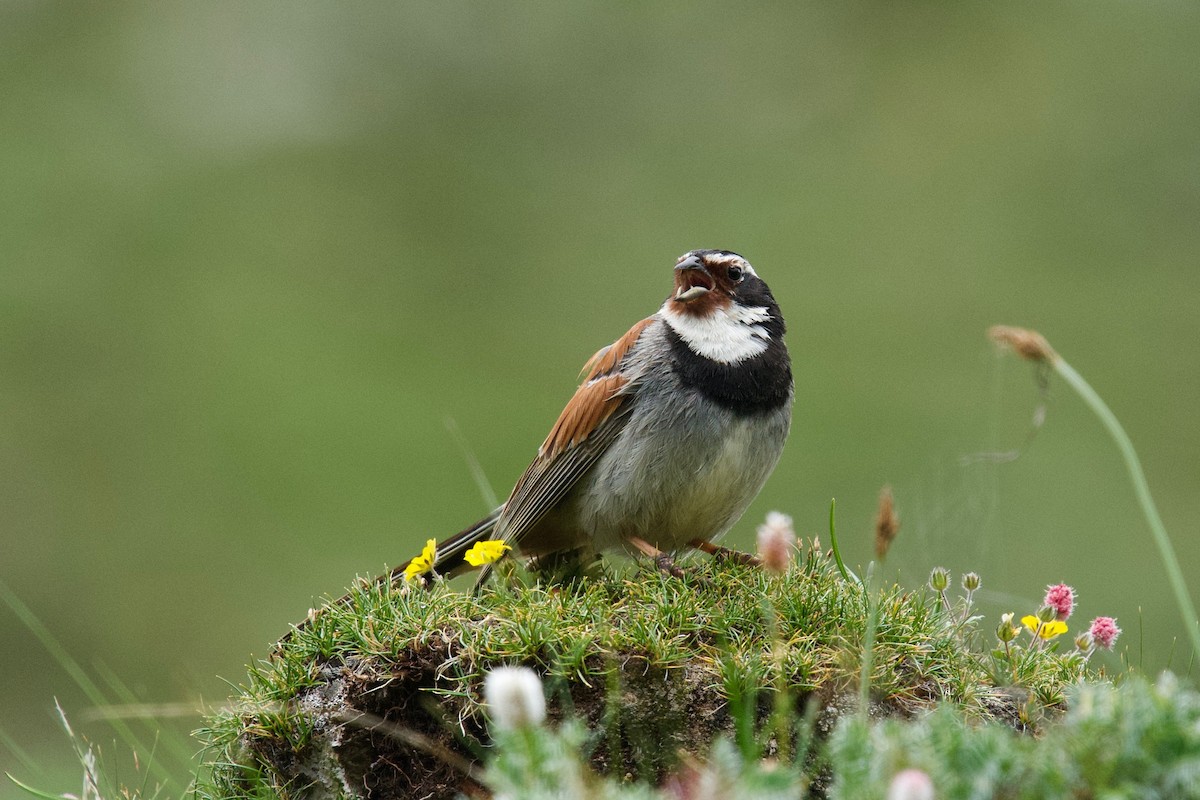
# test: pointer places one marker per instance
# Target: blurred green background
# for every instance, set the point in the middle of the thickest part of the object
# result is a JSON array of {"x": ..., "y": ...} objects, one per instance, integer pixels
[{"x": 253, "y": 258}]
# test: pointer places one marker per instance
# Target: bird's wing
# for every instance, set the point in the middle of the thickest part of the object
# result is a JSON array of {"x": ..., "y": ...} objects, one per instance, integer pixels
[{"x": 589, "y": 423}]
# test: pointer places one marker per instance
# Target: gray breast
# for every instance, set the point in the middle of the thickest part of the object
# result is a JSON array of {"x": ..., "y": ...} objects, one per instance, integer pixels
[{"x": 682, "y": 468}]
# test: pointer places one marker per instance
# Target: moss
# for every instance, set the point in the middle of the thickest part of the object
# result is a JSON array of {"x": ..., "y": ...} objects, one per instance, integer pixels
[{"x": 379, "y": 687}]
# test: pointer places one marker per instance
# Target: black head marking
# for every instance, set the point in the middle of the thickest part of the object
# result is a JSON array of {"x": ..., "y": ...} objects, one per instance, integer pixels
[{"x": 754, "y": 385}]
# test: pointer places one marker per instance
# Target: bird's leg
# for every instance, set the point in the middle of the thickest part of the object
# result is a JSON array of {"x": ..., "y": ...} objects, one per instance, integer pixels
[
  {"x": 566, "y": 566},
  {"x": 661, "y": 560},
  {"x": 717, "y": 551}
]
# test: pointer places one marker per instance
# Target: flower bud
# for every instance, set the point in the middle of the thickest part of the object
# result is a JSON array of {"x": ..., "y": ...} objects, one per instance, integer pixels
[
  {"x": 1047, "y": 614},
  {"x": 1006, "y": 632},
  {"x": 939, "y": 579}
]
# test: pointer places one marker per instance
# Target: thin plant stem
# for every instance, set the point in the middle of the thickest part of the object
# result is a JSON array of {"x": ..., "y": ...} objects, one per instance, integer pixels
[
  {"x": 1174, "y": 574},
  {"x": 72, "y": 667},
  {"x": 477, "y": 474},
  {"x": 19, "y": 753},
  {"x": 868, "y": 657},
  {"x": 783, "y": 715},
  {"x": 837, "y": 551}
]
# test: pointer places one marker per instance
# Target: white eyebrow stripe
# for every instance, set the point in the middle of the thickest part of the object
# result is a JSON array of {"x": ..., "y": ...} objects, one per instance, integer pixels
[{"x": 729, "y": 258}]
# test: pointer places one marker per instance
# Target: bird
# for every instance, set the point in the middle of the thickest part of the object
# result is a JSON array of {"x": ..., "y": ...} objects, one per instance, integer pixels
[{"x": 671, "y": 434}]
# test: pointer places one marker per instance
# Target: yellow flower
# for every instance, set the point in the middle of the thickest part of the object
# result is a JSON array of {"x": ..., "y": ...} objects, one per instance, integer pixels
[
  {"x": 1052, "y": 629},
  {"x": 422, "y": 563},
  {"x": 485, "y": 552},
  {"x": 1044, "y": 630}
]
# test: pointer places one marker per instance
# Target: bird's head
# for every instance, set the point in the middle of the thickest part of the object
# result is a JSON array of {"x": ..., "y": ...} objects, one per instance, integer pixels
[
  {"x": 707, "y": 281},
  {"x": 721, "y": 307}
]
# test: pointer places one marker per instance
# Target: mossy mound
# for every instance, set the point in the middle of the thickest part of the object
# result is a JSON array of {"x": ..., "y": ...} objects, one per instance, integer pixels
[{"x": 380, "y": 695}]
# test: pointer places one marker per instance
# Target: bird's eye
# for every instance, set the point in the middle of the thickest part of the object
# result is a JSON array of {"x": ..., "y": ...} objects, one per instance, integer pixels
[{"x": 736, "y": 273}]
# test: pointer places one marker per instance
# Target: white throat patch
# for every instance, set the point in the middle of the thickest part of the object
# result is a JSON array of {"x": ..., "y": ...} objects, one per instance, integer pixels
[{"x": 728, "y": 335}]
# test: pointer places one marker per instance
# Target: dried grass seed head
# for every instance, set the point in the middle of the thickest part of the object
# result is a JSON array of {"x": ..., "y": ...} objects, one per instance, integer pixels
[
  {"x": 887, "y": 524},
  {"x": 1028, "y": 344}
]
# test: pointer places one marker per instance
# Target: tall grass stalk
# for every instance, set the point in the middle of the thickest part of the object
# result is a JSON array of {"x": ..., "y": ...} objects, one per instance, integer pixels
[
  {"x": 82, "y": 680},
  {"x": 1170, "y": 560},
  {"x": 1033, "y": 346}
]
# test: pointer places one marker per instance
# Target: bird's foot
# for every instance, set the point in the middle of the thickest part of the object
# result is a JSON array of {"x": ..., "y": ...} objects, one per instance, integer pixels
[
  {"x": 662, "y": 561},
  {"x": 726, "y": 553},
  {"x": 667, "y": 564}
]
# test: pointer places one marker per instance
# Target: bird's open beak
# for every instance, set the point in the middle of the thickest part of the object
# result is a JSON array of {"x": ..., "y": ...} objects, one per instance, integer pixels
[{"x": 692, "y": 279}]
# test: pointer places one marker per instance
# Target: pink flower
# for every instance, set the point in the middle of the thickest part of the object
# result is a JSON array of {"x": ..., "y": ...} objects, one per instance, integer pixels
[
  {"x": 1061, "y": 598},
  {"x": 911, "y": 784},
  {"x": 776, "y": 542},
  {"x": 1104, "y": 632}
]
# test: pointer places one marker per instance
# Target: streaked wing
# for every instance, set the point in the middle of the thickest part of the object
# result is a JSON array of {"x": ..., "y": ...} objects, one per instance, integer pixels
[
  {"x": 547, "y": 481},
  {"x": 588, "y": 424}
]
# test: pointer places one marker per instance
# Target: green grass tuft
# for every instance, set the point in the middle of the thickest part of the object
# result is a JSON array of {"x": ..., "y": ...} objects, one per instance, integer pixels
[{"x": 729, "y": 632}]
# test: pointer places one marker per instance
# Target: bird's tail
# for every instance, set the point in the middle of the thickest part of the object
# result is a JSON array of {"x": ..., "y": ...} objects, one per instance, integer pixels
[{"x": 448, "y": 562}]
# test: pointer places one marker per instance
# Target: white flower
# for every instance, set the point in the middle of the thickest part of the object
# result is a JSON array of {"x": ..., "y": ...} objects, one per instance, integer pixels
[{"x": 514, "y": 697}]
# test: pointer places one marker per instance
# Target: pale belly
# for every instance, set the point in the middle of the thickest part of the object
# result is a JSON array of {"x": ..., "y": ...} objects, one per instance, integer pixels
[{"x": 691, "y": 487}]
